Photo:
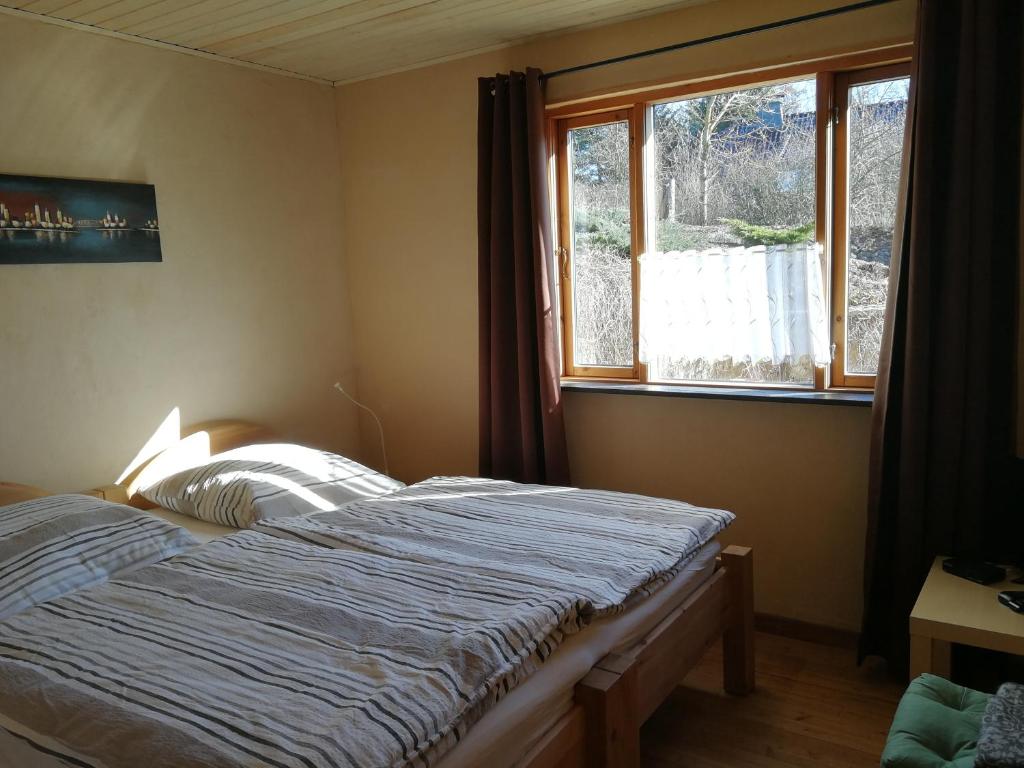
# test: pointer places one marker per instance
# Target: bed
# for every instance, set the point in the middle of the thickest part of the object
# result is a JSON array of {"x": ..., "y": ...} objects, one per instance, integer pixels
[{"x": 585, "y": 705}]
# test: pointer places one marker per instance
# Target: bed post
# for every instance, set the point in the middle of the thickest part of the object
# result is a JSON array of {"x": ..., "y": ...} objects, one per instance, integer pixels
[
  {"x": 608, "y": 695},
  {"x": 738, "y": 638}
]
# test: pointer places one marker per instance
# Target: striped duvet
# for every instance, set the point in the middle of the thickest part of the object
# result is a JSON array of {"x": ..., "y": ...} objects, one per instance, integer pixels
[
  {"x": 372, "y": 635},
  {"x": 256, "y": 651},
  {"x": 609, "y": 548}
]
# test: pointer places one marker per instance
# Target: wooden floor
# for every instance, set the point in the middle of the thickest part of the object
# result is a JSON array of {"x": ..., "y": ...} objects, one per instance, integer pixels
[{"x": 813, "y": 708}]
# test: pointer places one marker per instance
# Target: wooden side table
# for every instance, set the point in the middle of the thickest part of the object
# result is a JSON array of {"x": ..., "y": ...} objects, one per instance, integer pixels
[{"x": 954, "y": 610}]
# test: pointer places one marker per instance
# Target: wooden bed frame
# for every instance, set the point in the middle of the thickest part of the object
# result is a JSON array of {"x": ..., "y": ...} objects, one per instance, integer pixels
[{"x": 621, "y": 691}]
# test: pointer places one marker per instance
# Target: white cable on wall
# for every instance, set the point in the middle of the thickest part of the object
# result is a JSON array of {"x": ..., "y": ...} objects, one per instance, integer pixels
[{"x": 380, "y": 427}]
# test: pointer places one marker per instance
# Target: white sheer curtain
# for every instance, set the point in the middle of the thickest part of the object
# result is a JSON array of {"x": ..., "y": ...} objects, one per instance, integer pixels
[{"x": 760, "y": 303}]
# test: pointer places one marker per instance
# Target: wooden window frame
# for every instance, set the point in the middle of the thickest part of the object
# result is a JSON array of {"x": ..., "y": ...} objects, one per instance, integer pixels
[
  {"x": 635, "y": 109},
  {"x": 630, "y": 116},
  {"x": 843, "y": 81}
]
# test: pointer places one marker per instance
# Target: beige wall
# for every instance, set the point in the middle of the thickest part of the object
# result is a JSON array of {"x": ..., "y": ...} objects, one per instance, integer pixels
[
  {"x": 795, "y": 474},
  {"x": 248, "y": 314}
]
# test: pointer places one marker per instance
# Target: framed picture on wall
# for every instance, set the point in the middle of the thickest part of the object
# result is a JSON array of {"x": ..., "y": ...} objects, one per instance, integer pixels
[{"x": 64, "y": 221}]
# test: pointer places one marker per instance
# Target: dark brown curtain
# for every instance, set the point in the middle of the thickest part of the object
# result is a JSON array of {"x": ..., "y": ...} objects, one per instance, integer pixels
[
  {"x": 522, "y": 433},
  {"x": 942, "y": 451}
]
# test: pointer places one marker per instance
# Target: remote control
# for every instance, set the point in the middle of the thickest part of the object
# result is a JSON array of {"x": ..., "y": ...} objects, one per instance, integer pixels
[{"x": 1013, "y": 599}]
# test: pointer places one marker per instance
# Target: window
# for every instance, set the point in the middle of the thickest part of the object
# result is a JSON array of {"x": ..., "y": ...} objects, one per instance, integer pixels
[
  {"x": 737, "y": 235},
  {"x": 601, "y": 245},
  {"x": 872, "y": 109}
]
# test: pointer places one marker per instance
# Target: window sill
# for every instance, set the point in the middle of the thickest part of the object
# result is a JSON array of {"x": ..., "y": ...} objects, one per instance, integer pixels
[{"x": 833, "y": 397}]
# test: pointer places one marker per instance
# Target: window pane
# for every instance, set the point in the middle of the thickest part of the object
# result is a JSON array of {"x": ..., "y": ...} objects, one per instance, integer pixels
[
  {"x": 740, "y": 294},
  {"x": 877, "y": 113},
  {"x": 602, "y": 266}
]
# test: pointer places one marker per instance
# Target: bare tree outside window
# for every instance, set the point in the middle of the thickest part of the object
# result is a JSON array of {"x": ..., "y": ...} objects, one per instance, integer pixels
[
  {"x": 877, "y": 115},
  {"x": 745, "y": 155},
  {"x": 602, "y": 276}
]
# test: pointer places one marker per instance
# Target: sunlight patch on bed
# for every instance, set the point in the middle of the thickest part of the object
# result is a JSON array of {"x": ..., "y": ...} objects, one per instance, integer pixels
[
  {"x": 283, "y": 483},
  {"x": 316, "y": 465}
]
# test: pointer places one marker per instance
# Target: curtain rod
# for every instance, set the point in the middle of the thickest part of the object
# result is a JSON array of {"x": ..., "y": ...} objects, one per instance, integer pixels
[{"x": 715, "y": 38}]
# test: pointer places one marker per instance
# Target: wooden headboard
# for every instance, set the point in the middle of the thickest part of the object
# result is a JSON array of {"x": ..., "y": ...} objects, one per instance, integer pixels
[
  {"x": 197, "y": 443},
  {"x": 12, "y": 493},
  {"x": 225, "y": 434}
]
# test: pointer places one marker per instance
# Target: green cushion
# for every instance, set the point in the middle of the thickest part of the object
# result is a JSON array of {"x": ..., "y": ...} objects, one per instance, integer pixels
[{"x": 936, "y": 726}]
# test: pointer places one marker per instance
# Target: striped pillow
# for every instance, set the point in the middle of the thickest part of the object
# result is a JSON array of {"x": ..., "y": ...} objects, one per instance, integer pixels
[
  {"x": 258, "y": 482},
  {"x": 59, "y": 544}
]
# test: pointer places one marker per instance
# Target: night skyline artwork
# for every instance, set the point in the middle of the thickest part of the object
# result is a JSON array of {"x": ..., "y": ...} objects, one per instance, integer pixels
[{"x": 65, "y": 221}]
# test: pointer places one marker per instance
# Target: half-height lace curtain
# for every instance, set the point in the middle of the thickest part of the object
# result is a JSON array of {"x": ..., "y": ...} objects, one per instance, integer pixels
[{"x": 747, "y": 304}]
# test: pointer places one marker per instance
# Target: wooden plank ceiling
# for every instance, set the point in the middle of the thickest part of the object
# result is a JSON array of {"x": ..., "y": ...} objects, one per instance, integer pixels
[{"x": 340, "y": 40}]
